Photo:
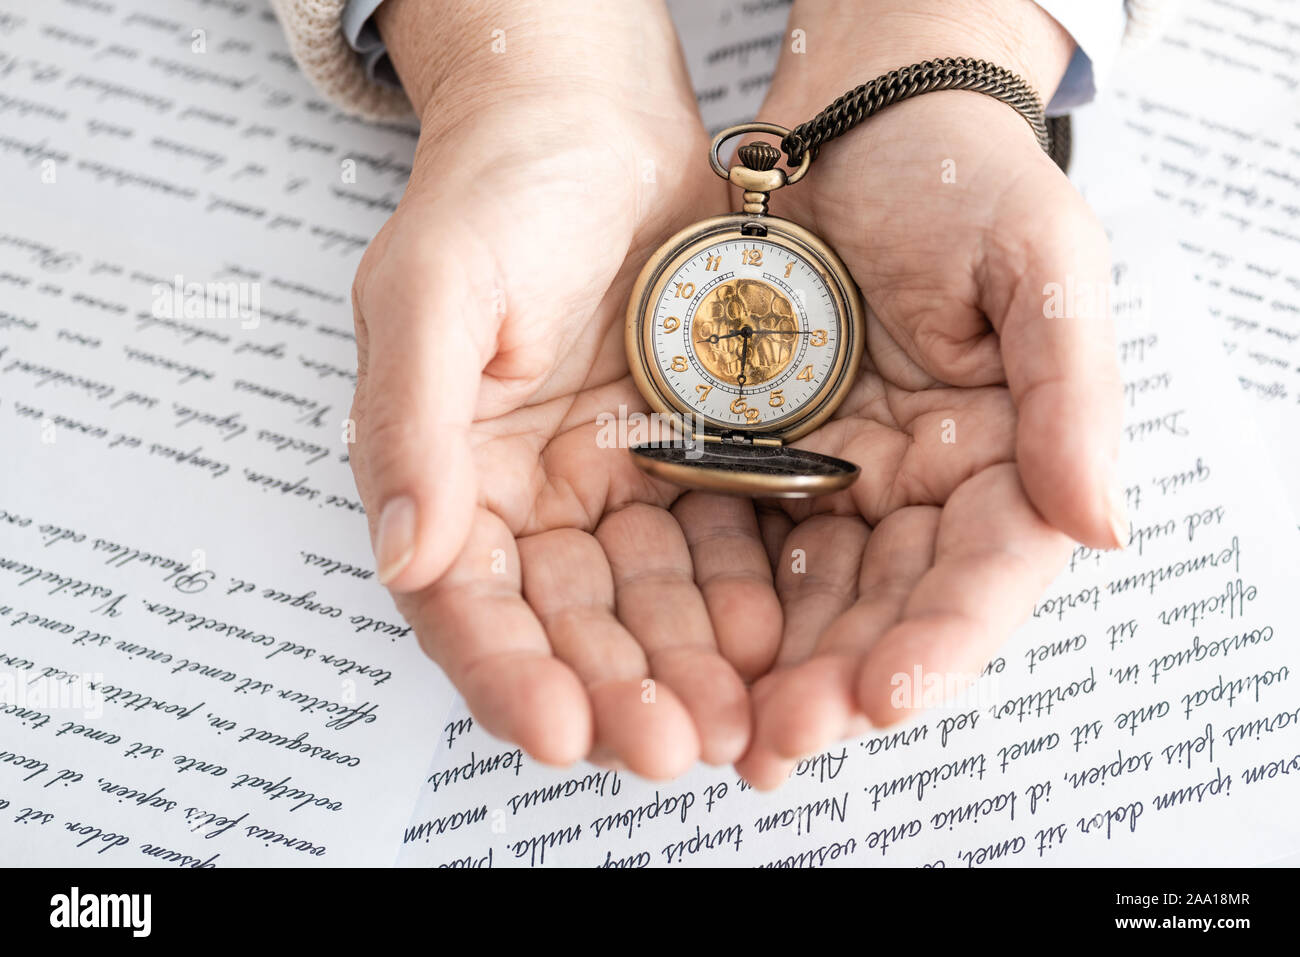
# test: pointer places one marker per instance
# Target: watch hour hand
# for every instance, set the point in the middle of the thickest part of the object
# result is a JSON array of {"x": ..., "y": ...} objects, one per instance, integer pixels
[
  {"x": 744, "y": 356},
  {"x": 715, "y": 338}
]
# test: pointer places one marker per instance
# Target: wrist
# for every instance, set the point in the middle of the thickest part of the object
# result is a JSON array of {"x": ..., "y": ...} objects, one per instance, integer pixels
[
  {"x": 845, "y": 45},
  {"x": 457, "y": 55}
]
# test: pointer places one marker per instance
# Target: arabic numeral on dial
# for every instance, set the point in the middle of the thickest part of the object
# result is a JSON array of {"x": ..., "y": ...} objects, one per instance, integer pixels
[
  {"x": 671, "y": 324},
  {"x": 741, "y": 407},
  {"x": 685, "y": 290},
  {"x": 679, "y": 363},
  {"x": 775, "y": 399},
  {"x": 818, "y": 338}
]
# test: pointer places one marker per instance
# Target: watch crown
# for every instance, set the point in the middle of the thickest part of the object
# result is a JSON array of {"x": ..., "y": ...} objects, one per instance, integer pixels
[{"x": 759, "y": 156}]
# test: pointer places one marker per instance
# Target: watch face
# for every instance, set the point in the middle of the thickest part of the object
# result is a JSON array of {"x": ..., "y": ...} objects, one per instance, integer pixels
[{"x": 751, "y": 333}]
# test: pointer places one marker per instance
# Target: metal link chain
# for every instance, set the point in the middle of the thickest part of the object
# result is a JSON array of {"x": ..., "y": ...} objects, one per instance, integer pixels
[{"x": 950, "y": 73}]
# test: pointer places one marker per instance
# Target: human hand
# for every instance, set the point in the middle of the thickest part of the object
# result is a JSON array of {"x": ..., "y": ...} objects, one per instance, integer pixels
[
  {"x": 987, "y": 432},
  {"x": 547, "y": 576}
]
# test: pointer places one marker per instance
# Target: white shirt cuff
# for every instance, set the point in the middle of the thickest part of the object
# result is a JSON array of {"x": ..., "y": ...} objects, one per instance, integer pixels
[{"x": 1098, "y": 29}]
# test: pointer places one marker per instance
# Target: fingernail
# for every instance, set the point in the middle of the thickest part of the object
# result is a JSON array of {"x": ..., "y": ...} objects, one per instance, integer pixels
[
  {"x": 395, "y": 541},
  {"x": 1118, "y": 517}
]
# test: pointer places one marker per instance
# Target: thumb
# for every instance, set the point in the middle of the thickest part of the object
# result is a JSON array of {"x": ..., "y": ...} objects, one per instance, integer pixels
[
  {"x": 1058, "y": 350},
  {"x": 428, "y": 335}
]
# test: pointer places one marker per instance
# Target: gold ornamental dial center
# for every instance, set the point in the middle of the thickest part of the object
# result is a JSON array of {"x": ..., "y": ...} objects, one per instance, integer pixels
[{"x": 745, "y": 332}]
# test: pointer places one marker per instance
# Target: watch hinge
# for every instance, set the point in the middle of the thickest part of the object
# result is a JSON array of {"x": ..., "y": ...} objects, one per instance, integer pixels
[{"x": 739, "y": 438}]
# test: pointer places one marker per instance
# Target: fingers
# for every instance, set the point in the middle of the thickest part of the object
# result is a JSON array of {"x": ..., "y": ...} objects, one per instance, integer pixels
[
  {"x": 568, "y": 583},
  {"x": 774, "y": 524},
  {"x": 817, "y": 575},
  {"x": 476, "y": 625},
  {"x": 817, "y": 579},
  {"x": 993, "y": 556},
  {"x": 658, "y": 602},
  {"x": 899, "y": 553},
  {"x": 807, "y": 707},
  {"x": 428, "y": 335},
  {"x": 1048, "y": 296},
  {"x": 734, "y": 575}
]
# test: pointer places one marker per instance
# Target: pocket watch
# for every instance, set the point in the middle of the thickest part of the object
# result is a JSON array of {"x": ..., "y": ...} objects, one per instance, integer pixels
[{"x": 745, "y": 331}]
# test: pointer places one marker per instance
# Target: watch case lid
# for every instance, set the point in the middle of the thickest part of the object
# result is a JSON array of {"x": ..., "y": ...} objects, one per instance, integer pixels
[{"x": 744, "y": 468}]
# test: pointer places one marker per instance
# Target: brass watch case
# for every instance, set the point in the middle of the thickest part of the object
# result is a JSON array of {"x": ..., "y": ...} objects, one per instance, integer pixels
[{"x": 792, "y": 480}]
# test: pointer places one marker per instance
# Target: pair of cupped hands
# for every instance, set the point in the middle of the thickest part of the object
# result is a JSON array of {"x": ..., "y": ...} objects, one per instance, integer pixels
[{"x": 586, "y": 610}]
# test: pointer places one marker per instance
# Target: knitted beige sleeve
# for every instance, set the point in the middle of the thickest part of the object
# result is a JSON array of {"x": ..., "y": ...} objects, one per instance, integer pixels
[{"x": 315, "y": 34}]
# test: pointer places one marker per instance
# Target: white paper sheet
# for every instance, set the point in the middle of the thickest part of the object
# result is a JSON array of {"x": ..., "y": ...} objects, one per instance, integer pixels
[
  {"x": 196, "y": 473},
  {"x": 197, "y": 662},
  {"x": 731, "y": 47},
  {"x": 1207, "y": 119}
]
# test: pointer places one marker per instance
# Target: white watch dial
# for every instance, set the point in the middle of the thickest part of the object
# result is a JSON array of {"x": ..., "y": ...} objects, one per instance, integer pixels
[{"x": 746, "y": 333}]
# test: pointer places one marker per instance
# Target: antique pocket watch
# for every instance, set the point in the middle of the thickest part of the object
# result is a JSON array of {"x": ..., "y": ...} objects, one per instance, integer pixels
[{"x": 746, "y": 331}]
